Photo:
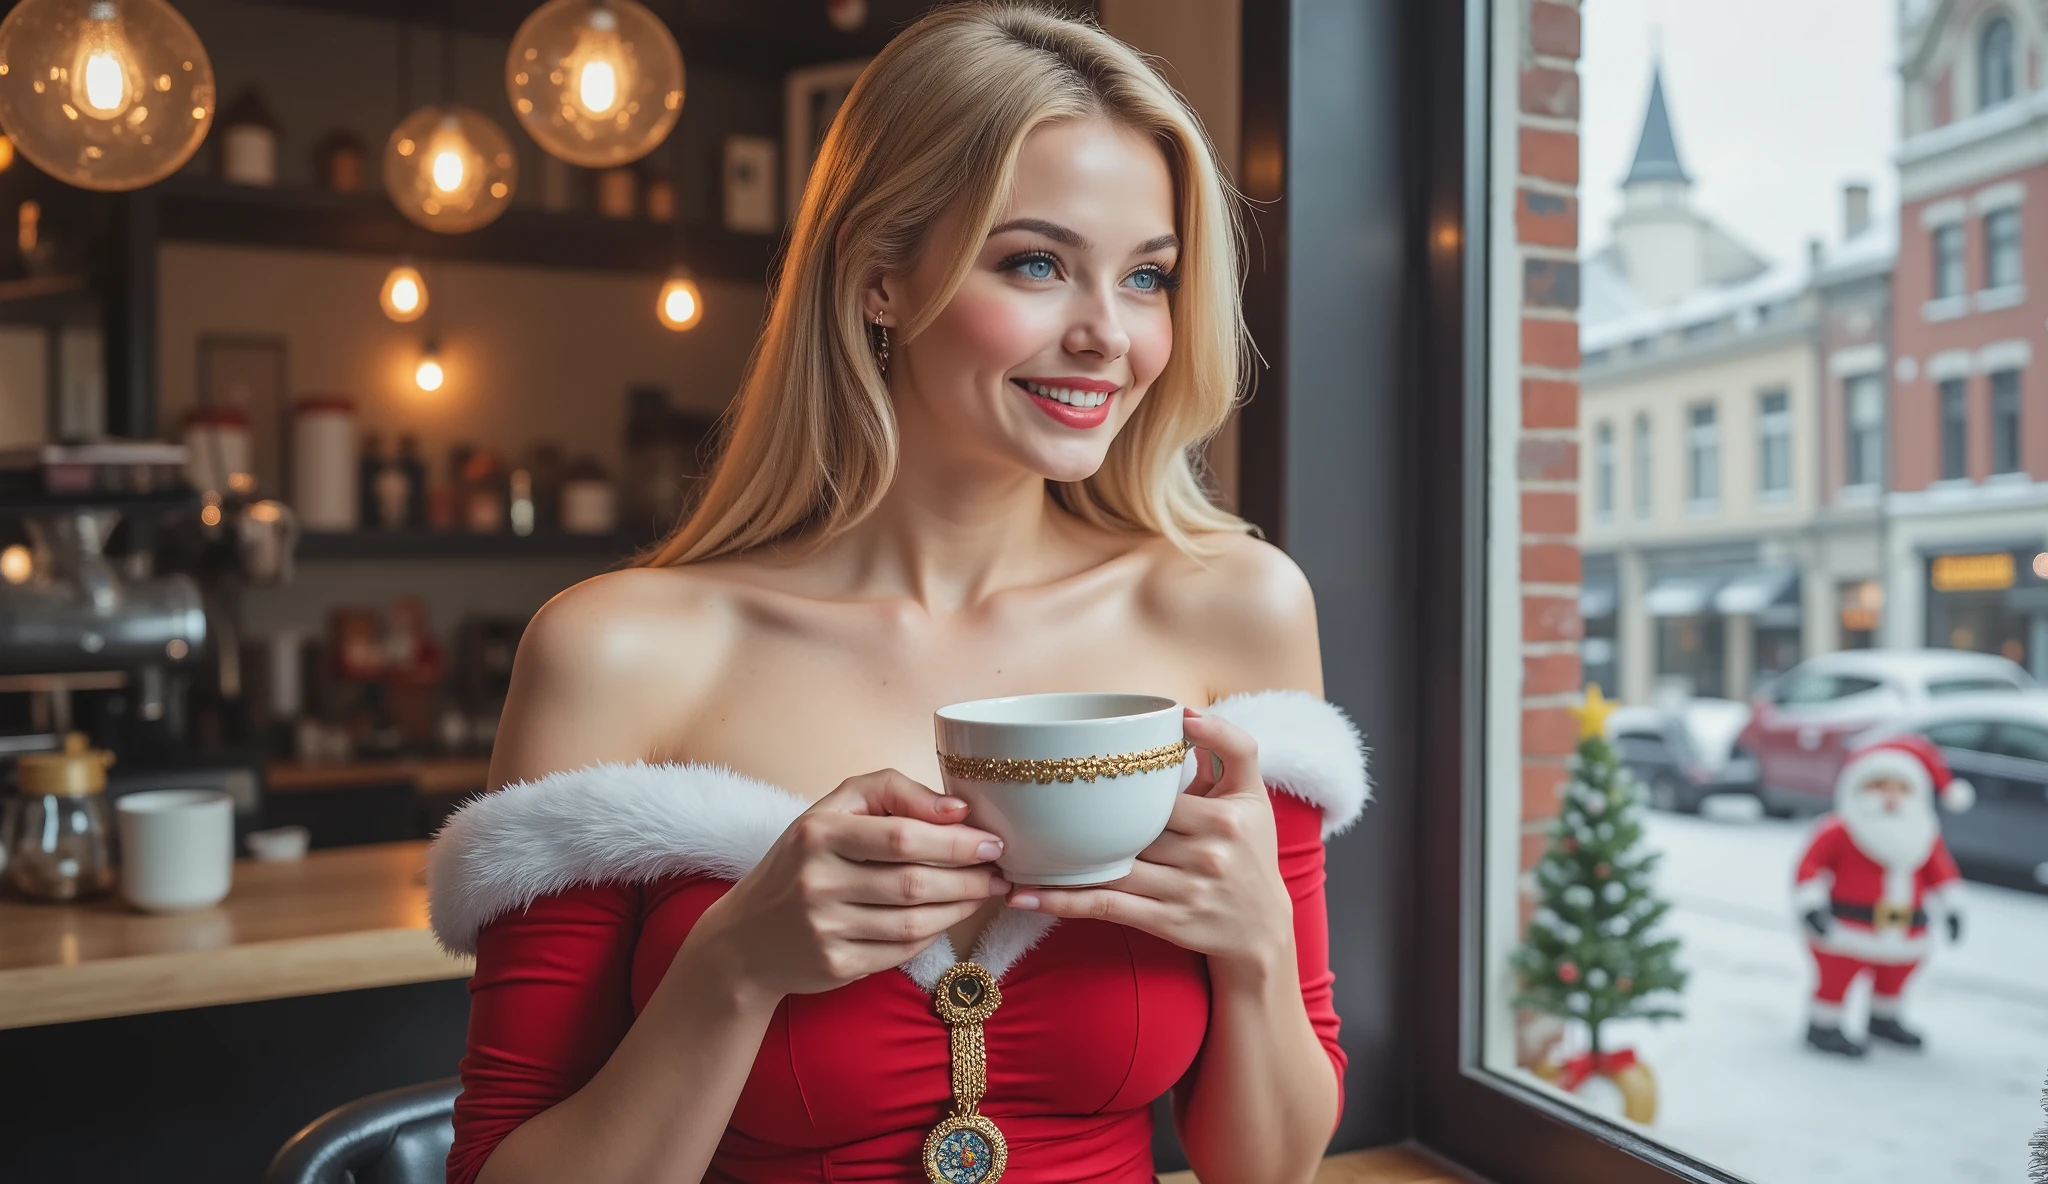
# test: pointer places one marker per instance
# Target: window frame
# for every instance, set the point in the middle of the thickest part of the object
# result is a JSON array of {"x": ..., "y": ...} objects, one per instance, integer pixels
[
  {"x": 2003, "y": 246},
  {"x": 1773, "y": 428},
  {"x": 1854, "y": 476},
  {"x": 2007, "y": 62},
  {"x": 1952, "y": 431},
  {"x": 1702, "y": 457},
  {"x": 1604, "y": 475},
  {"x": 1489, "y": 1123},
  {"x": 2008, "y": 401},
  {"x": 1643, "y": 462}
]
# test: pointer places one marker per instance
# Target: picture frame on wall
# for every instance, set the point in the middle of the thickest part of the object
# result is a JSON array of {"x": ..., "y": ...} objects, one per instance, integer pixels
[
  {"x": 811, "y": 97},
  {"x": 247, "y": 371},
  {"x": 750, "y": 185}
]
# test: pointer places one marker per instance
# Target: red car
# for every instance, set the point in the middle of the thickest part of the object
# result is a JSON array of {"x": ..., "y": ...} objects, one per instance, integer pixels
[{"x": 1801, "y": 723}]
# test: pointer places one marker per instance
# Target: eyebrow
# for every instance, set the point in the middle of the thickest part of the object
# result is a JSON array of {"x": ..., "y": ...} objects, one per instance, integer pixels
[{"x": 1068, "y": 238}]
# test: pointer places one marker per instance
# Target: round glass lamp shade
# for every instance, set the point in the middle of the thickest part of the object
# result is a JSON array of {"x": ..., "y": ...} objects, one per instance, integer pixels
[
  {"x": 597, "y": 83},
  {"x": 679, "y": 305},
  {"x": 450, "y": 169},
  {"x": 104, "y": 94},
  {"x": 404, "y": 295}
]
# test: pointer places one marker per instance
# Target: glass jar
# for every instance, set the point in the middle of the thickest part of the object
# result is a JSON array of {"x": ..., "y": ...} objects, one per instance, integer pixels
[{"x": 59, "y": 849}]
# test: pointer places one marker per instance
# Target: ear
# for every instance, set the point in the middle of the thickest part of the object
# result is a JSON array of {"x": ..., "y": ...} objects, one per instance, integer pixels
[{"x": 882, "y": 296}]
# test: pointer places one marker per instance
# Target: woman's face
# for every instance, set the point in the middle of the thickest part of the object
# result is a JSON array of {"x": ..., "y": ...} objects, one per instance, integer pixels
[{"x": 1059, "y": 329}]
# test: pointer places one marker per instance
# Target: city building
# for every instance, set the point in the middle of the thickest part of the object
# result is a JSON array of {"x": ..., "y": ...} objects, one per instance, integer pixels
[
  {"x": 1968, "y": 508},
  {"x": 1713, "y": 554}
]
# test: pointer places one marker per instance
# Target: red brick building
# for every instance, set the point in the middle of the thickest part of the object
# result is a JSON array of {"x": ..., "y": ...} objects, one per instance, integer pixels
[{"x": 1969, "y": 414}]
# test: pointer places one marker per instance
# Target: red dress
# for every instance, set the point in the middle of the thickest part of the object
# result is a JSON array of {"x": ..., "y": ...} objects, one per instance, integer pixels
[{"x": 1097, "y": 1020}]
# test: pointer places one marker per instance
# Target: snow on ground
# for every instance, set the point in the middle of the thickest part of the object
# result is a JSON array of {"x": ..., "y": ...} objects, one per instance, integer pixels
[{"x": 1739, "y": 1089}]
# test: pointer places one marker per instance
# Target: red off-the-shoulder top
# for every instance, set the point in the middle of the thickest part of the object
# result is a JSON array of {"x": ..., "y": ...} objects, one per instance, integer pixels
[{"x": 573, "y": 928}]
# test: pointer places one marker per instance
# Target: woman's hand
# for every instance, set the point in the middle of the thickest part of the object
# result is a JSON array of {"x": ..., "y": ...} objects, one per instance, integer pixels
[
  {"x": 866, "y": 878},
  {"x": 1211, "y": 883}
]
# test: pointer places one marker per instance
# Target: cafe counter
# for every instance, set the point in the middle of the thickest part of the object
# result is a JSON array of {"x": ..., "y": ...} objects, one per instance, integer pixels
[{"x": 338, "y": 920}]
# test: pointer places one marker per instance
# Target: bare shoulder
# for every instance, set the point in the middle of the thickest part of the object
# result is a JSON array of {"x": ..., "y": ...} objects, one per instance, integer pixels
[
  {"x": 1247, "y": 609},
  {"x": 609, "y": 667}
]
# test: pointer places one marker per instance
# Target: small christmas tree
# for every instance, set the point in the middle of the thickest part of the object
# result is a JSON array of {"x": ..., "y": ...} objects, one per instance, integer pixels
[{"x": 1590, "y": 952}]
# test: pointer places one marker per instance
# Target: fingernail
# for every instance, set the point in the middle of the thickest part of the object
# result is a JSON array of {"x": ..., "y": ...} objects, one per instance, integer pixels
[
  {"x": 997, "y": 886},
  {"x": 952, "y": 804},
  {"x": 1192, "y": 711},
  {"x": 989, "y": 850},
  {"x": 1024, "y": 900}
]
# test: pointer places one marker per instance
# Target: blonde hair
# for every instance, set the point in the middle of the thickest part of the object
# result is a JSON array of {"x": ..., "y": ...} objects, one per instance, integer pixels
[{"x": 937, "y": 118}]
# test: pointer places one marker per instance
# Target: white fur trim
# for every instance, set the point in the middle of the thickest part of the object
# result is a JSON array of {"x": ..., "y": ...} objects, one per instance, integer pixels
[
  {"x": 636, "y": 822},
  {"x": 1888, "y": 947},
  {"x": 1812, "y": 893},
  {"x": 1958, "y": 796},
  {"x": 1308, "y": 747},
  {"x": 1827, "y": 1015},
  {"x": 609, "y": 823}
]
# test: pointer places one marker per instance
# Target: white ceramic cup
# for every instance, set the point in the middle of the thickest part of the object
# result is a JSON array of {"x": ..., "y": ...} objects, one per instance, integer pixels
[
  {"x": 177, "y": 848},
  {"x": 1065, "y": 832}
]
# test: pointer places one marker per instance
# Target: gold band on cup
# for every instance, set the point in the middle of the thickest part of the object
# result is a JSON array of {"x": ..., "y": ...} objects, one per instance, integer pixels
[{"x": 1046, "y": 770}]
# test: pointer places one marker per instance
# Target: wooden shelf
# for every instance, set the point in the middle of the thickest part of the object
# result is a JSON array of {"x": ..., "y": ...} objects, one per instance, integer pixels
[
  {"x": 366, "y": 224},
  {"x": 1403, "y": 1164},
  {"x": 428, "y": 775},
  {"x": 449, "y": 544}
]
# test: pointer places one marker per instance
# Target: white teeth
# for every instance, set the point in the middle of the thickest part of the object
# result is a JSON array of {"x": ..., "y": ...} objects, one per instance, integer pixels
[{"x": 1083, "y": 399}]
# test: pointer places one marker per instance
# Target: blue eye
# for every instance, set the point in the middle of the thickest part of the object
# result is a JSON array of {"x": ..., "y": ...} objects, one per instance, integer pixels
[
  {"x": 1155, "y": 279},
  {"x": 1145, "y": 281},
  {"x": 1038, "y": 269}
]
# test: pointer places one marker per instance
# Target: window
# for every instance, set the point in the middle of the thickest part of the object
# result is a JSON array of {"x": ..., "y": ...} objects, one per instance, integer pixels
[
  {"x": 1970, "y": 735},
  {"x": 2002, "y": 248},
  {"x": 1941, "y": 688},
  {"x": 2021, "y": 741},
  {"x": 1641, "y": 457},
  {"x": 1603, "y": 470},
  {"x": 1948, "y": 261},
  {"x": 1817, "y": 687},
  {"x": 2005, "y": 421},
  {"x": 1955, "y": 429},
  {"x": 1863, "y": 399},
  {"x": 1703, "y": 457},
  {"x": 1995, "y": 63},
  {"x": 1773, "y": 444}
]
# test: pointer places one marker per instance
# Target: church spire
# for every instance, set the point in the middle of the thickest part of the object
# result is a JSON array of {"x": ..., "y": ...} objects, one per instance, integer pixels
[{"x": 1656, "y": 150}]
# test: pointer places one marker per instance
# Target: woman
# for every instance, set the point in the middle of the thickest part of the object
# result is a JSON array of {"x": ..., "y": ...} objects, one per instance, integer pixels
[{"x": 959, "y": 467}]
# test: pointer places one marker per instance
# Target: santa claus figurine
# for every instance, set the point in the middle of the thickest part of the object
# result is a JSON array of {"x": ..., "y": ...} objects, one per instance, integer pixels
[{"x": 1873, "y": 879}]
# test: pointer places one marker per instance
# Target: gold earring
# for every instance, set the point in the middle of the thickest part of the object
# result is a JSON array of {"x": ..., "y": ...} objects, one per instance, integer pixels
[{"x": 880, "y": 341}]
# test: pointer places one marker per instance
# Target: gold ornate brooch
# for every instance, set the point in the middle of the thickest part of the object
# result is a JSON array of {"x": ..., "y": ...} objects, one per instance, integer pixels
[
  {"x": 1046, "y": 770},
  {"x": 966, "y": 1148}
]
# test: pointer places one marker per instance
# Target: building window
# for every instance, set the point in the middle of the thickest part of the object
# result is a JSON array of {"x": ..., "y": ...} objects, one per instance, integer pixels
[
  {"x": 1863, "y": 396},
  {"x": 2002, "y": 248},
  {"x": 1995, "y": 72},
  {"x": 1948, "y": 261},
  {"x": 1773, "y": 444},
  {"x": 1703, "y": 454},
  {"x": 1642, "y": 458},
  {"x": 1603, "y": 471},
  {"x": 1955, "y": 429},
  {"x": 2005, "y": 421}
]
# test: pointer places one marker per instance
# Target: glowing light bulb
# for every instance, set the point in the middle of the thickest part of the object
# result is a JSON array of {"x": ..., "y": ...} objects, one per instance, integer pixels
[
  {"x": 404, "y": 296},
  {"x": 17, "y": 564},
  {"x": 680, "y": 304},
  {"x": 449, "y": 169},
  {"x": 428, "y": 375},
  {"x": 104, "y": 94},
  {"x": 598, "y": 83}
]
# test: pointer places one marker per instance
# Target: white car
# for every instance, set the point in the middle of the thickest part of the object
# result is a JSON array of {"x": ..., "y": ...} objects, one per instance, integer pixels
[
  {"x": 1802, "y": 721},
  {"x": 1682, "y": 752}
]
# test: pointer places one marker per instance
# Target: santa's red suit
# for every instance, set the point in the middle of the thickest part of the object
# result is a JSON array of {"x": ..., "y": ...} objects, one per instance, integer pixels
[{"x": 1873, "y": 881}]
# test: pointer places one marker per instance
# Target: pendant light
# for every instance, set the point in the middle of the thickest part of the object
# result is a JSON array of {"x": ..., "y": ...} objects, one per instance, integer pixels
[
  {"x": 104, "y": 94},
  {"x": 448, "y": 167},
  {"x": 680, "y": 303},
  {"x": 428, "y": 374},
  {"x": 598, "y": 83},
  {"x": 404, "y": 296}
]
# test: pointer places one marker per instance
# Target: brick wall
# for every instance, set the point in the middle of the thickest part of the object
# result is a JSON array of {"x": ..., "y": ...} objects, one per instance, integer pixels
[{"x": 1547, "y": 452}]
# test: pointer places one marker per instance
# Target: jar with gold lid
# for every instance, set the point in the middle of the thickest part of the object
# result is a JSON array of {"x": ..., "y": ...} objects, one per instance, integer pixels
[{"x": 60, "y": 850}]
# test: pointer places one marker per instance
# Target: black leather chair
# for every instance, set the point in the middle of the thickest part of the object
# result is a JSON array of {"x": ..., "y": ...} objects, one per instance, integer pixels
[{"x": 400, "y": 1136}]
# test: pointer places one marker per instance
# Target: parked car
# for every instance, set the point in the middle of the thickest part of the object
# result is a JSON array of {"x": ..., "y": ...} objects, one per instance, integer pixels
[
  {"x": 1682, "y": 753},
  {"x": 1999, "y": 743},
  {"x": 1801, "y": 723}
]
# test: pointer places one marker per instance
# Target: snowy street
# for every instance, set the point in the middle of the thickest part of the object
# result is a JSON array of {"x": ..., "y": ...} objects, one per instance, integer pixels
[{"x": 1738, "y": 1087}]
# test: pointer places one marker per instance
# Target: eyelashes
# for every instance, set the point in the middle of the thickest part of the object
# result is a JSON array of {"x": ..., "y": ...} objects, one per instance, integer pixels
[{"x": 1162, "y": 279}]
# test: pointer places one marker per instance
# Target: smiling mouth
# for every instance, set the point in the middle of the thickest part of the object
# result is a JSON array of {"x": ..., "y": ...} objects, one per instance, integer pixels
[{"x": 1084, "y": 400}]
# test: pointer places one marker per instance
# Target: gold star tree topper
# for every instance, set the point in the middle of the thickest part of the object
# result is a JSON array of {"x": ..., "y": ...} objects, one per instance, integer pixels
[{"x": 1593, "y": 716}]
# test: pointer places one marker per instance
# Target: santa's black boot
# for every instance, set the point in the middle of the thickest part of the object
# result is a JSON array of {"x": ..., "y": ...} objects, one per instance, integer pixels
[
  {"x": 1889, "y": 1029},
  {"x": 1828, "y": 1038}
]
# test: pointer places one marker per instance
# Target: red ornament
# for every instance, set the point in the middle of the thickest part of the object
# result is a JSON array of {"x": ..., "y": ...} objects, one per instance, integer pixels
[
  {"x": 1569, "y": 845},
  {"x": 1567, "y": 972},
  {"x": 1623, "y": 983},
  {"x": 1600, "y": 870}
]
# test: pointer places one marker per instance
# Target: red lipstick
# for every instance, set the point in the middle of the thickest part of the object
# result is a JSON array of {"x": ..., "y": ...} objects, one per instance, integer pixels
[{"x": 1067, "y": 413}]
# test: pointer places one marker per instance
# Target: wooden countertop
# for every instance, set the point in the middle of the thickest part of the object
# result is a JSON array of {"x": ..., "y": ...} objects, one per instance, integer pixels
[
  {"x": 1382, "y": 1165},
  {"x": 337, "y": 920}
]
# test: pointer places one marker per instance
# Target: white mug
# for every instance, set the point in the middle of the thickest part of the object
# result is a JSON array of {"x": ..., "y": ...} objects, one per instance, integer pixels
[
  {"x": 1075, "y": 784},
  {"x": 177, "y": 848}
]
